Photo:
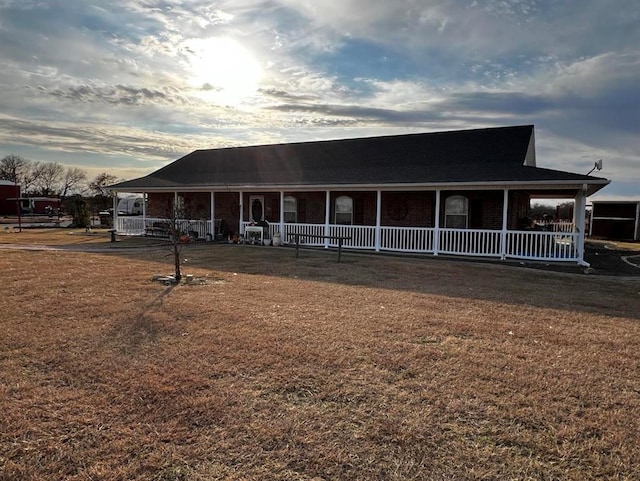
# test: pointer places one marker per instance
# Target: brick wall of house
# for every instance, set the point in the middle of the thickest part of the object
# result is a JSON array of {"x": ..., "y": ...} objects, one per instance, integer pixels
[
  {"x": 197, "y": 205},
  {"x": 159, "y": 204},
  {"x": 227, "y": 208},
  {"x": 519, "y": 210},
  {"x": 411, "y": 209},
  {"x": 408, "y": 209}
]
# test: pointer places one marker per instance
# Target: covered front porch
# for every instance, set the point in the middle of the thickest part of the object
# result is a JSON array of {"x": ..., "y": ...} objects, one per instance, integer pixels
[{"x": 480, "y": 222}]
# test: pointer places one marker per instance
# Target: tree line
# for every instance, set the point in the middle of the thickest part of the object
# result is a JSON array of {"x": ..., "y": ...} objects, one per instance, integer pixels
[{"x": 78, "y": 193}]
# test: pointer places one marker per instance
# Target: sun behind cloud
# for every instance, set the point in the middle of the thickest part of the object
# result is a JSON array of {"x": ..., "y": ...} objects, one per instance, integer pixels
[{"x": 224, "y": 70}]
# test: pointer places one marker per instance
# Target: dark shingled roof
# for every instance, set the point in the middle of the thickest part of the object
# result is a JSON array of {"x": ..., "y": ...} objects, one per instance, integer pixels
[{"x": 469, "y": 156}]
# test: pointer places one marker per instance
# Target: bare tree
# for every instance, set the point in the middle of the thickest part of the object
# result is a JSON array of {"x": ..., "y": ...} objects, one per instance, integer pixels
[
  {"x": 174, "y": 213},
  {"x": 47, "y": 176},
  {"x": 72, "y": 179},
  {"x": 99, "y": 189},
  {"x": 99, "y": 186},
  {"x": 14, "y": 168},
  {"x": 44, "y": 178}
]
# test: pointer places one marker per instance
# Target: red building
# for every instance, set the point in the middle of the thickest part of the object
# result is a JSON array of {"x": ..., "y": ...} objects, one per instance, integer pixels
[
  {"x": 616, "y": 220},
  {"x": 10, "y": 199},
  {"x": 9, "y": 193}
]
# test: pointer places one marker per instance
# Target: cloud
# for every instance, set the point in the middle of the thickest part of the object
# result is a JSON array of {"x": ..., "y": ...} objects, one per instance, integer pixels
[
  {"x": 117, "y": 78},
  {"x": 119, "y": 95}
]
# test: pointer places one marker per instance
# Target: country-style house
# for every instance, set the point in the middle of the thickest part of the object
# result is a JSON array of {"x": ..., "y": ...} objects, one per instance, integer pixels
[{"x": 464, "y": 192}]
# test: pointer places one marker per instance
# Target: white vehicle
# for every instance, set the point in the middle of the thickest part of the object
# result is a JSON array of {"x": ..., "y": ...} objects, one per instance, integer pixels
[{"x": 130, "y": 206}]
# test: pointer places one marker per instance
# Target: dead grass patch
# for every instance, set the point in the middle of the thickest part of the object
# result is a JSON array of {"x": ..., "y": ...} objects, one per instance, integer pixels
[{"x": 375, "y": 368}]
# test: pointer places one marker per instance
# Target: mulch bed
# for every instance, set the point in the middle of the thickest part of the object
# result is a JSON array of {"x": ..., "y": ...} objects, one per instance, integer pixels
[{"x": 605, "y": 259}]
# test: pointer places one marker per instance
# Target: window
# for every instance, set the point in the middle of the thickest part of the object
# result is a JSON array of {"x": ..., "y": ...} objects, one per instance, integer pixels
[
  {"x": 456, "y": 210},
  {"x": 344, "y": 210},
  {"x": 290, "y": 209}
]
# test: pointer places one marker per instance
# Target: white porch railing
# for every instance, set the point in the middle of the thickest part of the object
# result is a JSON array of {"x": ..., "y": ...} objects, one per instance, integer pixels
[
  {"x": 563, "y": 226},
  {"x": 360, "y": 236},
  {"x": 547, "y": 246},
  {"x": 139, "y": 225},
  {"x": 130, "y": 225},
  {"x": 307, "y": 229},
  {"x": 470, "y": 242},
  {"x": 406, "y": 239},
  {"x": 530, "y": 245}
]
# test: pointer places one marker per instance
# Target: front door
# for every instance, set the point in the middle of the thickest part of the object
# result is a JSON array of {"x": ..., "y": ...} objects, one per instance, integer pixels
[{"x": 257, "y": 208}]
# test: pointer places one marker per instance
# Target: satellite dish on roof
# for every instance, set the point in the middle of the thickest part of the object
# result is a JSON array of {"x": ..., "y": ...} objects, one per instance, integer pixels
[{"x": 596, "y": 166}]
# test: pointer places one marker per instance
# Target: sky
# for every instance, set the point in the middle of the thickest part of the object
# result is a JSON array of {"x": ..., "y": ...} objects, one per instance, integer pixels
[{"x": 127, "y": 86}]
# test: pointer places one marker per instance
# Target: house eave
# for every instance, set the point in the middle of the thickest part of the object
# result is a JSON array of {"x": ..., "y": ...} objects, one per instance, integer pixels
[{"x": 592, "y": 186}]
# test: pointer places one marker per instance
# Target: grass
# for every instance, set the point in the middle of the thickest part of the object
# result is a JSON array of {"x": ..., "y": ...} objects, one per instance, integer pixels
[{"x": 305, "y": 369}]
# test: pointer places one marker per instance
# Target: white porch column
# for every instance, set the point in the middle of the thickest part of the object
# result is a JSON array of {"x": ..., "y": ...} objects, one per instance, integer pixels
[
  {"x": 505, "y": 219},
  {"x": 241, "y": 214},
  {"x": 579, "y": 207},
  {"x": 115, "y": 211},
  {"x": 282, "y": 214},
  {"x": 436, "y": 225},
  {"x": 327, "y": 216},
  {"x": 213, "y": 216},
  {"x": 144, "y": 213},
  {"x": 378, "y": 218}
]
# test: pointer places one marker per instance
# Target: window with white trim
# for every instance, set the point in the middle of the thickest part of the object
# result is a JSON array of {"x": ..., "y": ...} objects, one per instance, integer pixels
[
  {"x": 290, "y": 213},
  {"x": 456, "y": 212},
  {"x": 344, "y": 210}
]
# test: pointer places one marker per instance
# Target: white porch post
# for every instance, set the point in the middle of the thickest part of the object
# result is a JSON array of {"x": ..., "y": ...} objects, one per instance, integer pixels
[
  {"x": 282, "y": 214},
  {"x": 378, "y": 218},
  {"x": 115, "y": 211},
  {"x": 213, "y": 216},
  {"x": 144, "y": 213},
  {"x": 580, "y": 203},
  {"x": 241, "y": 214},
  {"x": 327, "y": 216},
  {"x": 436, "y": 225},
  {"x": 505, "y": 218}
]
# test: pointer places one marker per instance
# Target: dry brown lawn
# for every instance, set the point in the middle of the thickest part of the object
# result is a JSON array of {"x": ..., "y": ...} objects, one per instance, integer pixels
[{"x": 276, "y": 368}]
